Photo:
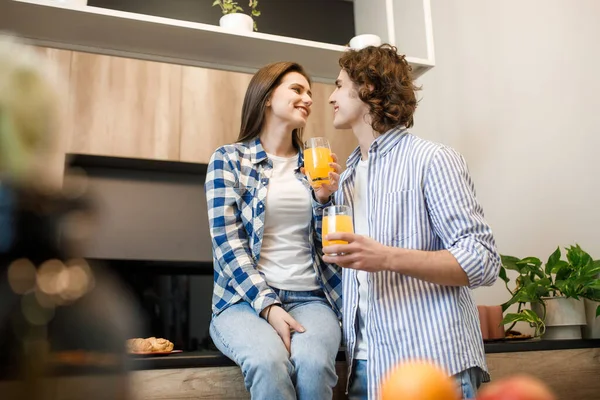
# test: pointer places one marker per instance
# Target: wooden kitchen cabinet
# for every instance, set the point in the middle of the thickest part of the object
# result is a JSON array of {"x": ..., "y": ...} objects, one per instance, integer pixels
[
  {"x": 59, "y": 65},
  {"x": 124, "y": 107},
  {"x": 211, "y": 109},
  {"x": 61, "y": 60}
]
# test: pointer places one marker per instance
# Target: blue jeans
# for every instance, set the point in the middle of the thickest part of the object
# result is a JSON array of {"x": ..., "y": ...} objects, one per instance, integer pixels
[
  {"x": 358, "y": 390},
  {"x": 270, "y": 372},
  {"x": 468, "y": 381}
]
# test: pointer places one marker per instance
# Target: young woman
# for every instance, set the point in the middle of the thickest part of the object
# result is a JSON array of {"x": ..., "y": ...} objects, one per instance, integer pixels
[{"x": 275, "y": 304}]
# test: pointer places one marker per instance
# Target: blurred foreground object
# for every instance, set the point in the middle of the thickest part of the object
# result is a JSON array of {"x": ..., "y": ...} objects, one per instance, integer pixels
[
  {"x": 30, "y": 110},
  {"x": 519, "y": 387},
  {"x": 419, "y": 380},
  {"x": 63, "y": 322}
]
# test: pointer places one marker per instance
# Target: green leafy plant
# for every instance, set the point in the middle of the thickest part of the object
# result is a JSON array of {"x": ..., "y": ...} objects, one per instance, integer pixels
[
  {"x": 232, "y": 7},
  {"x": 576, "y": 277}
]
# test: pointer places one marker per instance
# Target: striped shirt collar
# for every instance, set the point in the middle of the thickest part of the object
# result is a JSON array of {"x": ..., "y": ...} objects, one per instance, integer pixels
[{"x": 384, "y": 143}]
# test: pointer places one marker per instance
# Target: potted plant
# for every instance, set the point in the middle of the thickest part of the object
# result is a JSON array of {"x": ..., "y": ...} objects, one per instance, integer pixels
[
  {"x": 234, "y": 17},
  {"x": 554, "y": 290}
]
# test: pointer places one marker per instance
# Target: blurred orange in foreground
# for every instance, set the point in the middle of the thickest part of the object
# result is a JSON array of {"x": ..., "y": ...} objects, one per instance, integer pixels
[
  {"x": 518, "y": 387},
  {"x": 419, "y": 380}
]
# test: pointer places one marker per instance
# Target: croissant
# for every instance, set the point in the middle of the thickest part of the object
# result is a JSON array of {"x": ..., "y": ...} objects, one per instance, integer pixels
[
  {"x": 139, "y": 345},
  {"x": 149, "y": 345},
  {"x": 160, "y": 344}
]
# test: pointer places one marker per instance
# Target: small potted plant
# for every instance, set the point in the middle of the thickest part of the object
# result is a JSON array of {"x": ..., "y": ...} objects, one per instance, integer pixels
[
  {"x": 555, "y": 292},
  {"x": 233, "y": 15}
]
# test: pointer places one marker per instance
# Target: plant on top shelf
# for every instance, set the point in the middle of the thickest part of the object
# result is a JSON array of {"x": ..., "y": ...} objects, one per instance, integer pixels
[
  {"x": 576, "y": 277},
  {"x": 232, "y": 7}
]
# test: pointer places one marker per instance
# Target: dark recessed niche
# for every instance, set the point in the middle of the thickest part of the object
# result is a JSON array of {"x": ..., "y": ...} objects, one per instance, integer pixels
[
  {"x": 148, "y": 209},
  {"x": 327, "y": 21},
  {"x": 152, "y": 234}
]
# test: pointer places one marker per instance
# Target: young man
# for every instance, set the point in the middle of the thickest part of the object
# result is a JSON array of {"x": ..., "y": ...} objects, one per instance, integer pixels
[{"x": 420, "y": 242}]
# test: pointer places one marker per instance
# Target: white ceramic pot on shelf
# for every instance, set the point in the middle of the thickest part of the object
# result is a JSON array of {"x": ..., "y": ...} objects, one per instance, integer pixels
[
  {"x": 592, "y": 329},
  {"x": 564, "y": 317},
  {"x": 237, "y": 22},
  {"x": 361, "y": 41}
]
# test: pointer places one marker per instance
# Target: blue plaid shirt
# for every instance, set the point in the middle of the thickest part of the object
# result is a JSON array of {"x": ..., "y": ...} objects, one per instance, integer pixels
[{"x": 236, "y": 190}]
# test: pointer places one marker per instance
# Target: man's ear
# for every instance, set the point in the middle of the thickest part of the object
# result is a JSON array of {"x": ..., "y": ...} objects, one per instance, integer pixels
[{"x": 371, "y": 87}]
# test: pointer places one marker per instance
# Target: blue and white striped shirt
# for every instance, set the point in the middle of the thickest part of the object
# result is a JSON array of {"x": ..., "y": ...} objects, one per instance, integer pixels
[
  {"x": 236, "y": 191},
  {"x": 420, "y": 196}
]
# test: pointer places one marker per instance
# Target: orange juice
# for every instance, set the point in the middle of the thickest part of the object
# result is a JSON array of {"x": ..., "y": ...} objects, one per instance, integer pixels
[
  {"x": 316, "y": 165},
  {"x": 336, "y": 223}
]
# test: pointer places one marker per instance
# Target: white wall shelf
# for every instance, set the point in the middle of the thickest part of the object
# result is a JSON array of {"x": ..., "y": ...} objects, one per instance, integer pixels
[
  {"x": 98, "y": 30},
  {"x": 405, "y": 24}
]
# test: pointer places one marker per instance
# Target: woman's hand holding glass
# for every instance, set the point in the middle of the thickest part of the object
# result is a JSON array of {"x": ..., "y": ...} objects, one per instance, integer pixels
[{"x": 321, "y": 168}]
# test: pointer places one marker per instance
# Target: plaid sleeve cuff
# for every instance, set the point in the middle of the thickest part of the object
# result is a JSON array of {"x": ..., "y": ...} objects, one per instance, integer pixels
[{"x": 264, "y": 300}]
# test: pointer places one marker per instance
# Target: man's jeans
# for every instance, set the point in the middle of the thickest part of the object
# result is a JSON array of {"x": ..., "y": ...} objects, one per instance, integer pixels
[
  {"x": 468, "y": 381},
  {"x": 270, "y": 372}
]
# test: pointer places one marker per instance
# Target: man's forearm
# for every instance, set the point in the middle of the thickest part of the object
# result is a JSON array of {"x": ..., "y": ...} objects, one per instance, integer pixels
[{"x": 439, "y": 267}]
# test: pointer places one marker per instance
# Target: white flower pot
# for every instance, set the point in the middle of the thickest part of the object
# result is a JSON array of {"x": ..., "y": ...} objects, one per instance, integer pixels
[
  {"x": 592, "y": 329},
  {"x": 237, "y": 22},
  {"x": 564, "y": 317},
  {"x": 361, "y": 41}
]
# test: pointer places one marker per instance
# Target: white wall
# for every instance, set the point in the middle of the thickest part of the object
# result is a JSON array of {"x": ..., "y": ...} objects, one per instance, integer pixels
[{"x": 516, "y": 90}]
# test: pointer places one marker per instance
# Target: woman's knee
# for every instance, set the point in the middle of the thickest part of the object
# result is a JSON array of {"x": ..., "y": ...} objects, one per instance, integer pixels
[
  {"x": 268, "y": 362},
  {"x": 314, "y": 364}
]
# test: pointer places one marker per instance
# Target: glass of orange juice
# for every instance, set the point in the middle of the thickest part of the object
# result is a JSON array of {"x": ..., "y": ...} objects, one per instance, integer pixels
[
  {"x": 317, "y": 156},
  {"x": 336, "y": 219}
]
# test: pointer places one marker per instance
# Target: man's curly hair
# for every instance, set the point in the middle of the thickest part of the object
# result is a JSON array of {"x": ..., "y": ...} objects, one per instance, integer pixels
[{"x": 385, "y": 83}]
